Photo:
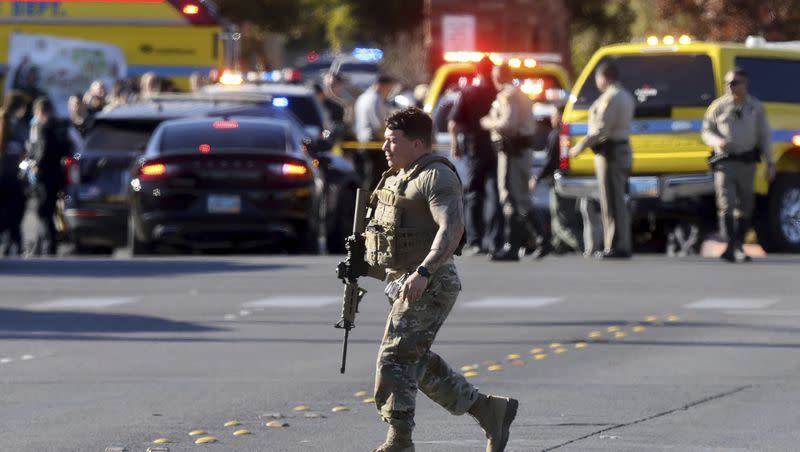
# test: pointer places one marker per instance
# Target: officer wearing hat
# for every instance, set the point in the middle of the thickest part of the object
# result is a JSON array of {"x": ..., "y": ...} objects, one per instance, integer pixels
[
  {"x": 736, "y": 127},
  {"x": 610, "y": 118}
]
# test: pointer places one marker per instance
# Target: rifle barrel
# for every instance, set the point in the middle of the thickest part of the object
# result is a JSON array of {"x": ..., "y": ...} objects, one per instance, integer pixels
[{"x": 344, "y": 349}]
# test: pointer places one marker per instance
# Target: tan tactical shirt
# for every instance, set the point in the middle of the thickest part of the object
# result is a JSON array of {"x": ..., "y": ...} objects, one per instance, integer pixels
[
  {"x": 610, "y": 117},
  {"x": 744, "y": 126},
  {"x": 436, "y": 185},
  {"x": 511, "y": 114}
]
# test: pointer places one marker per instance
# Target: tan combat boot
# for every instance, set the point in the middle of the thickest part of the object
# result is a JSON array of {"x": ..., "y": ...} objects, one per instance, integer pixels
[
  {"x": 495, "y": 415},
  {"x": 397, "y": 440}
]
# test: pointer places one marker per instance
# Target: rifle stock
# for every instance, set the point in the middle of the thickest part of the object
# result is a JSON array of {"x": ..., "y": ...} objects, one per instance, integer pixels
[{"x": 346, "y": 271}]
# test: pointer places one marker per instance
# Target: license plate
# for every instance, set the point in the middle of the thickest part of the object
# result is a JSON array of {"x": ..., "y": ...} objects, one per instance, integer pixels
[
  {"x": 644, "y": 187},
  {"x": 224, "y": 204}
]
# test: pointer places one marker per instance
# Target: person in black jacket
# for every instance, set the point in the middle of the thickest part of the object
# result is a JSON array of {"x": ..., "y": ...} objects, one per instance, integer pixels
[
  {"x": 563, "y": 217},
  {"x": 13, "y": 133},
  {"x": 49, "y": 144},
  {"x": 473, "y": 104}
]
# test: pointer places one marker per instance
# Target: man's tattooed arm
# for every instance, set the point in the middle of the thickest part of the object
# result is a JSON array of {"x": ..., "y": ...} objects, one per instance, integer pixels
[{"x": 449, "y": 216}]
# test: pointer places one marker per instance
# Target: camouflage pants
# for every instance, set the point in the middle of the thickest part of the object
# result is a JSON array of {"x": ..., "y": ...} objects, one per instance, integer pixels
[{"x": 405, "y": 362}]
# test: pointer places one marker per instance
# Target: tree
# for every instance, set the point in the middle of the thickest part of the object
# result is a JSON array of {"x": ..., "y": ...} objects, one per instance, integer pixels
[{"x": 595, "y": 24}]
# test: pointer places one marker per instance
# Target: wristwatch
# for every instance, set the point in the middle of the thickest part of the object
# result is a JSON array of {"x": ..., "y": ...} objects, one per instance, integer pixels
[{"x": 423, "y": 271}]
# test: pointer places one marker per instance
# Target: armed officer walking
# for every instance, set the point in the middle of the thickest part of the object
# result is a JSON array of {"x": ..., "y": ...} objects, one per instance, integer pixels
[
  {"x": 610, "y": 118},
  {"x": 415, "y": 226},
  {"x": 736, "y": 127}
]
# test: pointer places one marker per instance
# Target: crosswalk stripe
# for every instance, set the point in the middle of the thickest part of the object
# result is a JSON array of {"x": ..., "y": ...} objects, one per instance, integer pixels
[
  {"x": 732, "y": 303},
  {"x": 293, "y": 301},
  {"x": 81, "y": 303},
  {"x": 513, "y": 302}
]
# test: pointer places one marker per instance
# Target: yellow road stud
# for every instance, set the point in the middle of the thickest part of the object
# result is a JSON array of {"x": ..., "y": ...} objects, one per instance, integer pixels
[
  {"x": 361, "y": 394},
  {"x": 673, "y": 318},
  {"x": 369, "y": 400},
  {"x": 232, "y": 423},
  {"x": 158, "y": 449},
  {"x": 651, "y": 319},
  {"x": 340, "y": 408},
  {"x": 540, "y": 356},
  {"x": 161, "y": 441},
  {"x": 559, "y": 351},
  {"x": 581, "y": 345},
  {"x": 471, "y": 374},
  {"x": 612, "y": 329},
  {"x": 495, "y": 368},
  {"x": 620, "y": 334},
  {"x": 197, "y": 432},
  {"x": 513, "y": 356},
  {"x": 555, "y": 345},
  {"x": 206, "y": 440},
  {"x": 638, "y": 329},
  {"x": 536, "y": 351},
  {"x": 301, "y": 408},
  {"x": 595, "y": 334},
  {"x": 518, "y": 362},
  {"x": 276, "y": 424},
  {"x": 241, "y": 432},
  {"x": 469, "y": 367}
]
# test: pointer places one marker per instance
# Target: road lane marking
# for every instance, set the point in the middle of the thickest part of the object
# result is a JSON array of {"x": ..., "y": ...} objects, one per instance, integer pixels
[
  {"x": 732, "y": 303},
  {"x": 293, "y": 301},
  {"x": 514, "y": 302},
  {"x": 80, "y": 303}
]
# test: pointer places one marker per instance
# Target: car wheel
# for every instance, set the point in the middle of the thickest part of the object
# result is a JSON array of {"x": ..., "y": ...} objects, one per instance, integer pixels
[
  {"x": 343, "y": 221},
  {"x": 136, "y": 246},
  {"x": 779, "y": 229}
]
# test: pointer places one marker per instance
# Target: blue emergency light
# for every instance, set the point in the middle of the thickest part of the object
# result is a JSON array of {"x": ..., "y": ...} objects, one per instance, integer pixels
[
  {"x": 280, "y": 102},
  {"x": 367, "y": 54}
]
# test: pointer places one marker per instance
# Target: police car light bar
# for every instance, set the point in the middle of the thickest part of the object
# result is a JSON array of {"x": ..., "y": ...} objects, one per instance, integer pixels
[
  {"x": 515, "y": 59},
  {"x": 367, "y": 54}
]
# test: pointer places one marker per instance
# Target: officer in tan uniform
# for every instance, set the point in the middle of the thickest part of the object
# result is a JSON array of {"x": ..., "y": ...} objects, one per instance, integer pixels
[
  {"x": 415, "y": 226},
  {"x": 511, "y": 123},
  {"x": 736, "y": 127},
  {"x": 610, "y": 118}
]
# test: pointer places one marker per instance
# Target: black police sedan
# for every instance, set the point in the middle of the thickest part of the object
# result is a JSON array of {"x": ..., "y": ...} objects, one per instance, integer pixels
[{"x": 225, "y": 182}]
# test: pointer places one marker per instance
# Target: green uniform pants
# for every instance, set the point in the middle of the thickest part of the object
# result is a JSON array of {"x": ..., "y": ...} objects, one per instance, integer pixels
[
  {"x": 613, "y": 168},
  {"x": 406, "y": 363}
]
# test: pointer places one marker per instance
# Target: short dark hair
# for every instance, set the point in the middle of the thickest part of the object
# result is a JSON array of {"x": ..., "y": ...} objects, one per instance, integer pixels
[
  {"x": 43, "y": 103},
  {"x": 484, "y": 67},
  {"x": 608, "y": 70},
  {"x": 414, "y": 123}
]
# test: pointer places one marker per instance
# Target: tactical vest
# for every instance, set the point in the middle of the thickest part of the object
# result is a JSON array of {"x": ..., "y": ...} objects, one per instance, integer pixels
[{"x": 390, "y": 242}]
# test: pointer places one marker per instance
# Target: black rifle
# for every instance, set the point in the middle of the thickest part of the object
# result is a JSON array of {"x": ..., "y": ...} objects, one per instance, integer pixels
[{"x": 351, "y": 269}]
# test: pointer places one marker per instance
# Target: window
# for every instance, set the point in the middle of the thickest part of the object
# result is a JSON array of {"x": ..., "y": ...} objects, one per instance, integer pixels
[
  {"x": 247, "y": 135},
  {"x": 771, "y": 79},
  {"x": 659, "y": 82},
  {"x": 120, "y": 135}
]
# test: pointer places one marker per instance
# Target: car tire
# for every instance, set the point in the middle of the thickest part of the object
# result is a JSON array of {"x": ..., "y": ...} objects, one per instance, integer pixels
[
  {"x": 779, "y": 228},
  {"x": 137, "y": 246},
  {"x": 342, "y": 221}
]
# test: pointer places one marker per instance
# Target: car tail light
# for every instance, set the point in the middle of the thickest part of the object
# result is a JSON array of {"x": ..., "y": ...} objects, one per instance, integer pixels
[
  {"x": 225, "y": 124},
  {"x": 72, "y": 171},
  {"x": 153, "y": 171},
  {"x": 294, "y": 169},
  {"x": 564, "y": 144},
  {"x": 191, "y": 9}
]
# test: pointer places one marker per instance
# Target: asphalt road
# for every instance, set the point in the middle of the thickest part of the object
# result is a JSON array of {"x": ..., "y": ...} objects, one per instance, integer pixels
[{"x": 655, "y": 354}]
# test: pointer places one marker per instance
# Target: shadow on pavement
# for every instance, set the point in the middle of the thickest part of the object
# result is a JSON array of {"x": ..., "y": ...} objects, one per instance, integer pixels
[
  {"x": 128, "y": 269},
  {"x": 21, "y": 321}
]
